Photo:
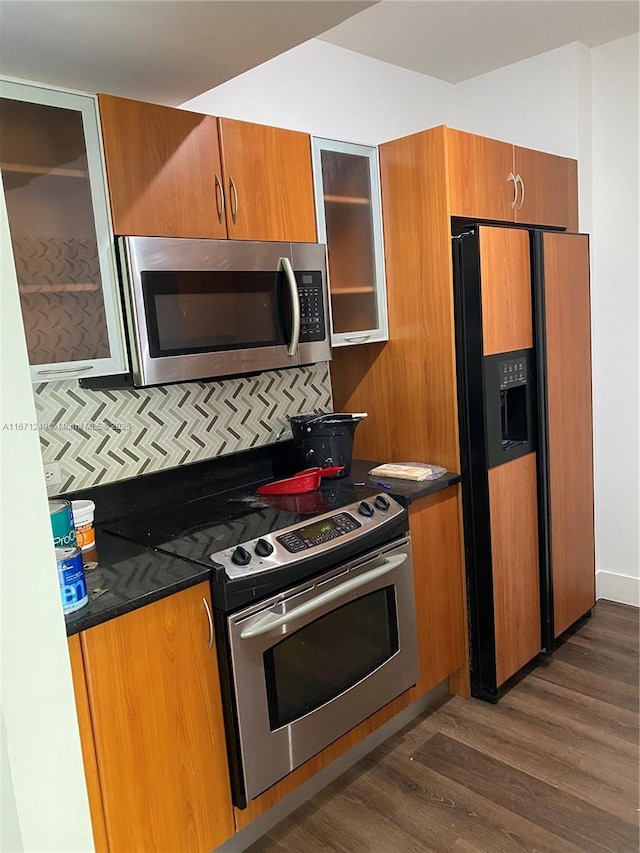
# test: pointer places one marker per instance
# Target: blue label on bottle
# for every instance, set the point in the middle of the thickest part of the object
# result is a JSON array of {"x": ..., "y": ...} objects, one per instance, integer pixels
[{"x": 73, "y": 585}]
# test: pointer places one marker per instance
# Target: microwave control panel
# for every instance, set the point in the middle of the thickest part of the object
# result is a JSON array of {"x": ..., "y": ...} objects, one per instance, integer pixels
[{"x": 311, "y": 307}]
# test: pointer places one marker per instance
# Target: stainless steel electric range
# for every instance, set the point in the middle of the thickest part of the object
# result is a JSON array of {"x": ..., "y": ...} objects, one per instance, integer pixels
[{"x": 314, "y": 615}]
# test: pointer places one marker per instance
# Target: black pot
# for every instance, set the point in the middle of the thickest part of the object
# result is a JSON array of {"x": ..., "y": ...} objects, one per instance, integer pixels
[{"x": 325, "y": 440}]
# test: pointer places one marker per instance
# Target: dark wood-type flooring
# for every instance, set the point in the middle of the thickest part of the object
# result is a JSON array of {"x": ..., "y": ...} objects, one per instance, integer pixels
[{"x": 553, "y": 767}]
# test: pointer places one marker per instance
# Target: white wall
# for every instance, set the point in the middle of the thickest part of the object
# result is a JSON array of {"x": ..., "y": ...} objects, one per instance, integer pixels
[
  {"x": 48, "y": 809},
  {"x": 530, "y": 103},
  {"x": 10, "y": 835},
  {"x": 328, "y": 91},
  {"x": 616, "y": 323}
]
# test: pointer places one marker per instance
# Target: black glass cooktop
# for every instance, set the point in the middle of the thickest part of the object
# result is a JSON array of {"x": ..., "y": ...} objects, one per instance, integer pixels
[{"x": 196, "y": 529}]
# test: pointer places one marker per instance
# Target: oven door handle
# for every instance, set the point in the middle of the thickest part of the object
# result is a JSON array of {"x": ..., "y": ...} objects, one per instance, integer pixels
[
  {"x": 285, "y": 264},
  {"x": 276, "y": 620}
]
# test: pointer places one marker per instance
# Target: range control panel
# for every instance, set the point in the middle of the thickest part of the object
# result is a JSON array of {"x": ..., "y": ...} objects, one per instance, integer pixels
[
  {"x": 311, "y": 307},
  {"x": 294, "y": 544},
  {"x": 513, "y": 371},
  {"x": 318, "y": 532}
]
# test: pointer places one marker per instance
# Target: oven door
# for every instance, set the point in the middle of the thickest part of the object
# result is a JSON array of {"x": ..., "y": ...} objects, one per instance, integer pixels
[
  {"x": 198, "y": 309},
  {"x": 313, "y": 662}
]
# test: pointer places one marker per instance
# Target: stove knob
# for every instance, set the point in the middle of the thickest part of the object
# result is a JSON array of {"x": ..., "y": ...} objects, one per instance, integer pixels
[
  {"x": 263, "y": 548},
  {"x": 382, "y": 503},
  {"x": 241, "y": 556},
  {"x": 365, "y": 509}
]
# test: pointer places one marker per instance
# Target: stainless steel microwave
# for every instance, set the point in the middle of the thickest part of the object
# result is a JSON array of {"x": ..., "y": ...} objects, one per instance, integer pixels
[{"x": 200, "y": 309}]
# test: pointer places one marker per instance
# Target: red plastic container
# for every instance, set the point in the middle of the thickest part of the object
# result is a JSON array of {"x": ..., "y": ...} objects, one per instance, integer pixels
[{"x": 304, "y": 481}]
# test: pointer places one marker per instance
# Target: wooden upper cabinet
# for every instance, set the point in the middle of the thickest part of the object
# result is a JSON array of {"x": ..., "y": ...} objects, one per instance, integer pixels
[
  {"x": 174, "y": 173},
  {"x": 154, "y": 698},
  {"x": 163, "y": 170},
  {"x": 268, "y": 182},
  {"x": 479, "y": 183},
  {"x": 545, "y": 196},
  {"x": 498, "y": 181}
]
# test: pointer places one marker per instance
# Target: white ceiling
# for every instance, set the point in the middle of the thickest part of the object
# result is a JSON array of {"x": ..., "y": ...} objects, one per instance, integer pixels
[
  {"x": 154, "y": 50},
  {"x": 455, "y": 40},
  {"x": 169, "y": 51}
]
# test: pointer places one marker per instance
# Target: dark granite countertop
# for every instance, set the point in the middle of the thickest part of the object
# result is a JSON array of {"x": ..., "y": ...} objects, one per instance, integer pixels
[
  {"x": 129, "y": 575},
  {"x": 406, "y": 491}
]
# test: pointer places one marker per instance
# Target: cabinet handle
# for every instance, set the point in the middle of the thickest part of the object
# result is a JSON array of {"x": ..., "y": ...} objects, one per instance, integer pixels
[
  {"x": 273, "y": 620},
  {"x": 66, "y": 370},
  {"x": 513, "y": 178},
  {"x": 519, "y": 180},
  {"x": 357, "y": 339},
  {"x": 208, "y": 609},
  {"x": 219, "y": 199},
  {"x": 233, "y": 192}
]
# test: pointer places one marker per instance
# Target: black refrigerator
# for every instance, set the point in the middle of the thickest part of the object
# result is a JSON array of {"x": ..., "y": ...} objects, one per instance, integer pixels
[{"x": 524, "y": 398}]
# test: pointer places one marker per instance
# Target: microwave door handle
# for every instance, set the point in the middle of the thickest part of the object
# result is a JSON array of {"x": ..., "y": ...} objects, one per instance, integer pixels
[
  {"x": 285, "y": 264},
  {"x": 275, "y": 620}
]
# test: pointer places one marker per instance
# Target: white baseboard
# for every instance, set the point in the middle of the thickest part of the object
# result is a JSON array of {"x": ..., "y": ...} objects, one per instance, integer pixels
[{"x": 614, "y": 587}]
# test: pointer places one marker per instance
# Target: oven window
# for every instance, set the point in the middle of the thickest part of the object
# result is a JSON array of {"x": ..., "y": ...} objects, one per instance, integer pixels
[
  {"x": 329, "y": 655},
  {"x": 191, "y": 312}
]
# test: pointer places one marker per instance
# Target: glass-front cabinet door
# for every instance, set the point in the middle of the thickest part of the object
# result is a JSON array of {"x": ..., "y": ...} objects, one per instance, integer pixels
[
  {"x": 55, "y": 194},
  {"x": 350, "y": 223}
]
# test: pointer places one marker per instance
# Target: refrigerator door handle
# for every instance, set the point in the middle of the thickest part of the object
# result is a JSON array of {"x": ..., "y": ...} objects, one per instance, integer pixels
[{"x": 513, "y": 178}]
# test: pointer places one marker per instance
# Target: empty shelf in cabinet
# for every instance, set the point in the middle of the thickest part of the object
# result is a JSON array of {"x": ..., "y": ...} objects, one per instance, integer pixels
[
  {"x": 58, "y": 288},
  {"x": 338, "y": 291},
  {"x": 347, "y": 199},
  {"x": 43, "y": 170}
]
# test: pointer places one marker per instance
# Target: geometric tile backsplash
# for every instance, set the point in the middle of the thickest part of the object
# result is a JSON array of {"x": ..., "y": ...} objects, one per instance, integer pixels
[{"x": 103, "y": 436}]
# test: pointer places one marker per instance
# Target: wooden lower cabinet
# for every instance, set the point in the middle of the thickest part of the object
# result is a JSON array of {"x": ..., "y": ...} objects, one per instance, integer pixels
[
  {"x": 88, "y": 746},
  {"x": 156, "y": 717},
  {"x": 440, "y": 590}
]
